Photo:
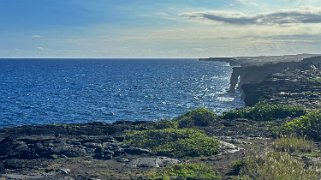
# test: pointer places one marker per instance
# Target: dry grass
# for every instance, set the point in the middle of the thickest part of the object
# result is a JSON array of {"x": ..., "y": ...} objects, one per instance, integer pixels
[
  {"x": 276, "y": 165},
  {"x": 293, "y": 144}
]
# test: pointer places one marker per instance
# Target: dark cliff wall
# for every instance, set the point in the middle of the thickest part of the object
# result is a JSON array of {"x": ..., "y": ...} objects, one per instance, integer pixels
[
  {"x": 252, "y": 74},
  {"x": 248, "y": 72},
  {"x": 247, "y": 77},
  {"x": 299, "y": 86},
  {"x": 295, "y": 83}
]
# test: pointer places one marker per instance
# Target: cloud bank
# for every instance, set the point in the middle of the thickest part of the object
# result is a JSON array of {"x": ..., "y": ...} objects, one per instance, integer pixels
[{"x": 281, "y": 17}]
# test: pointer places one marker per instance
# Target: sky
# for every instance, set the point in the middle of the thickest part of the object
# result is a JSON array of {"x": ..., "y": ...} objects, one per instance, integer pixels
[{"x": 158, "y": 28}]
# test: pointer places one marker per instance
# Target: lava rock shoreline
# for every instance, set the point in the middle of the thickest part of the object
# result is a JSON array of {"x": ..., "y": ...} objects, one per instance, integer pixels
[{"x": 87, "y": 151}]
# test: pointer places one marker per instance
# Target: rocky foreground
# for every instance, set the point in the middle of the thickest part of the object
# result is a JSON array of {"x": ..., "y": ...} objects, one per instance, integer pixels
[
  {"x": 97, "y": 151},
  {"x": 127, "y": 150}
]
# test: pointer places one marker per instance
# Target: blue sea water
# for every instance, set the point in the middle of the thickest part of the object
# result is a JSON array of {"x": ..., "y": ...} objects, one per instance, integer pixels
[{"x": 48, "y": 91}]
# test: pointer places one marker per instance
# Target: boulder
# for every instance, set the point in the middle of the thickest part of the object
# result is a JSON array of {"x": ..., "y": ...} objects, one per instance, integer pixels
[
  {"x": 68, "y": 150},
  {"x": 104, "y": 154}
]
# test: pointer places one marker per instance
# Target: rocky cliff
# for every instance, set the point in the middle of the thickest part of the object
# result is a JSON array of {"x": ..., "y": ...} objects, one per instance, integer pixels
[
  {"x": 275, "y": 78},
  {"x": 300, "y": 85},
  {"x": 252, "y": 74}
]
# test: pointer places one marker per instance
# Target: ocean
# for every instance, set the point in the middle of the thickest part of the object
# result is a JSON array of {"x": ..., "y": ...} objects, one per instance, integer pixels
[{"x": 55, "y": 91}]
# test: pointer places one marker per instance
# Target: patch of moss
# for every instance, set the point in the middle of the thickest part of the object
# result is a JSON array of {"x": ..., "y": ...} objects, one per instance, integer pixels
[
  {"x": 307, "y": 125},
  {"x": 266, "y": 112},
  {"x": 174, "y": 142},
  {"x": 197, "y": 117},
  {"x": 276, "y": 165},
  {"x": 186, "y": 171}
]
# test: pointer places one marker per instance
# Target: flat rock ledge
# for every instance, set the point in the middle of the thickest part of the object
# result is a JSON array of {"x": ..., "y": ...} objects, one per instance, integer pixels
[{"x": 31, "y": 147}]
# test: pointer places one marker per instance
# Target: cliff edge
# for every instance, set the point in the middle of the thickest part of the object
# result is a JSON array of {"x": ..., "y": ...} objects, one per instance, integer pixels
[
  {"x": 253, "y": 75},
  {"x": 300, "y": 85}
]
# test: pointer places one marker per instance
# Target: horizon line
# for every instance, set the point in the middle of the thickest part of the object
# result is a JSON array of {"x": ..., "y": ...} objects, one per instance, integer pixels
[
  {"x": 101, "y": 57},
  {"x": 156, "y": 57}
]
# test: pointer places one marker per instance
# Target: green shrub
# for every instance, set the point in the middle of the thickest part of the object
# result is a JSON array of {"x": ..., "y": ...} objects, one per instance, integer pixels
[
  {"x": 164, "y": 124},
  {"x": 276, "y": 165},
  {"x": 265, "y": 111},
  {"x": 293, "y": 144},
  {"x": 186, "y": 171},
  {"x": 197, "y": 117},
  {"x": 308, "y": 125},
  {"x": 174, "y": 142}
]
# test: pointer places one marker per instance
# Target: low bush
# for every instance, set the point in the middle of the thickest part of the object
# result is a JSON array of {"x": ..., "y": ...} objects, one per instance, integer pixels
[
  {"x": 186, "y": 171},
  {"x": 197, "y": 117},
  {"x": 265, "y": 112},
  {"x": 174, "y": 142},
  {"x": 308, "y": 125},
  {"x": 164, "y": 124},
  {"x": 276, "y": 165},
  {"x": 293, "y": 144}
]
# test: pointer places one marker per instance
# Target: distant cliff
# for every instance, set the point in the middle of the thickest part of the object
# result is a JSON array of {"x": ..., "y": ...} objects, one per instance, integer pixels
[
  {"x": 300, "y": 86},
  {"x": 252, "y": 74},
  {"x": 250, "y": 71}
]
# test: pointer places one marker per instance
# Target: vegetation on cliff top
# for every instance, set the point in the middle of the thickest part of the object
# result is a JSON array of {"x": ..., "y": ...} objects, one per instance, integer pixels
[
  {"x": 307, "y": 125},
  {"x": 266, "y": 112},
  {"x": 174, "y": 142}
]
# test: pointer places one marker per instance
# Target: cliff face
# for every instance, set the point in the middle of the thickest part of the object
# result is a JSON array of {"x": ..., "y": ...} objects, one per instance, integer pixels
[
  {"x": 255, "y": 69},
  {"x": 300, "y": 86},
  {"x": 253, "y": 74},
  {"x": 292, "y": 79}
]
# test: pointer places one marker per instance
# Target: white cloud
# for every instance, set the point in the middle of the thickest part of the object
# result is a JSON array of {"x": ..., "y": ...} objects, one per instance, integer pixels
[
  {"x": 161, "y": 14},
  {"x": 41, "y": 48},
  {"x": 280, "y": 17},
  {"x": 36, "y": 36}
]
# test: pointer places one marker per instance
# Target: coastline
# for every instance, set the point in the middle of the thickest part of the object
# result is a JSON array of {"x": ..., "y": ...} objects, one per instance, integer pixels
[{"x": 103, "y": 151}]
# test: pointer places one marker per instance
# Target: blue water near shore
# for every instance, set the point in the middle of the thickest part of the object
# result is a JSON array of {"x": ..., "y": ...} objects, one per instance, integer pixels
[{"x": 47, "y": 91}]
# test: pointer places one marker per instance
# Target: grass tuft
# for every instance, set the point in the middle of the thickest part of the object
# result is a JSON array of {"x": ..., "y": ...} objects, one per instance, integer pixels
[
  {"x": 293, "y": 144},
  {"x": 276, "y": 165}
]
